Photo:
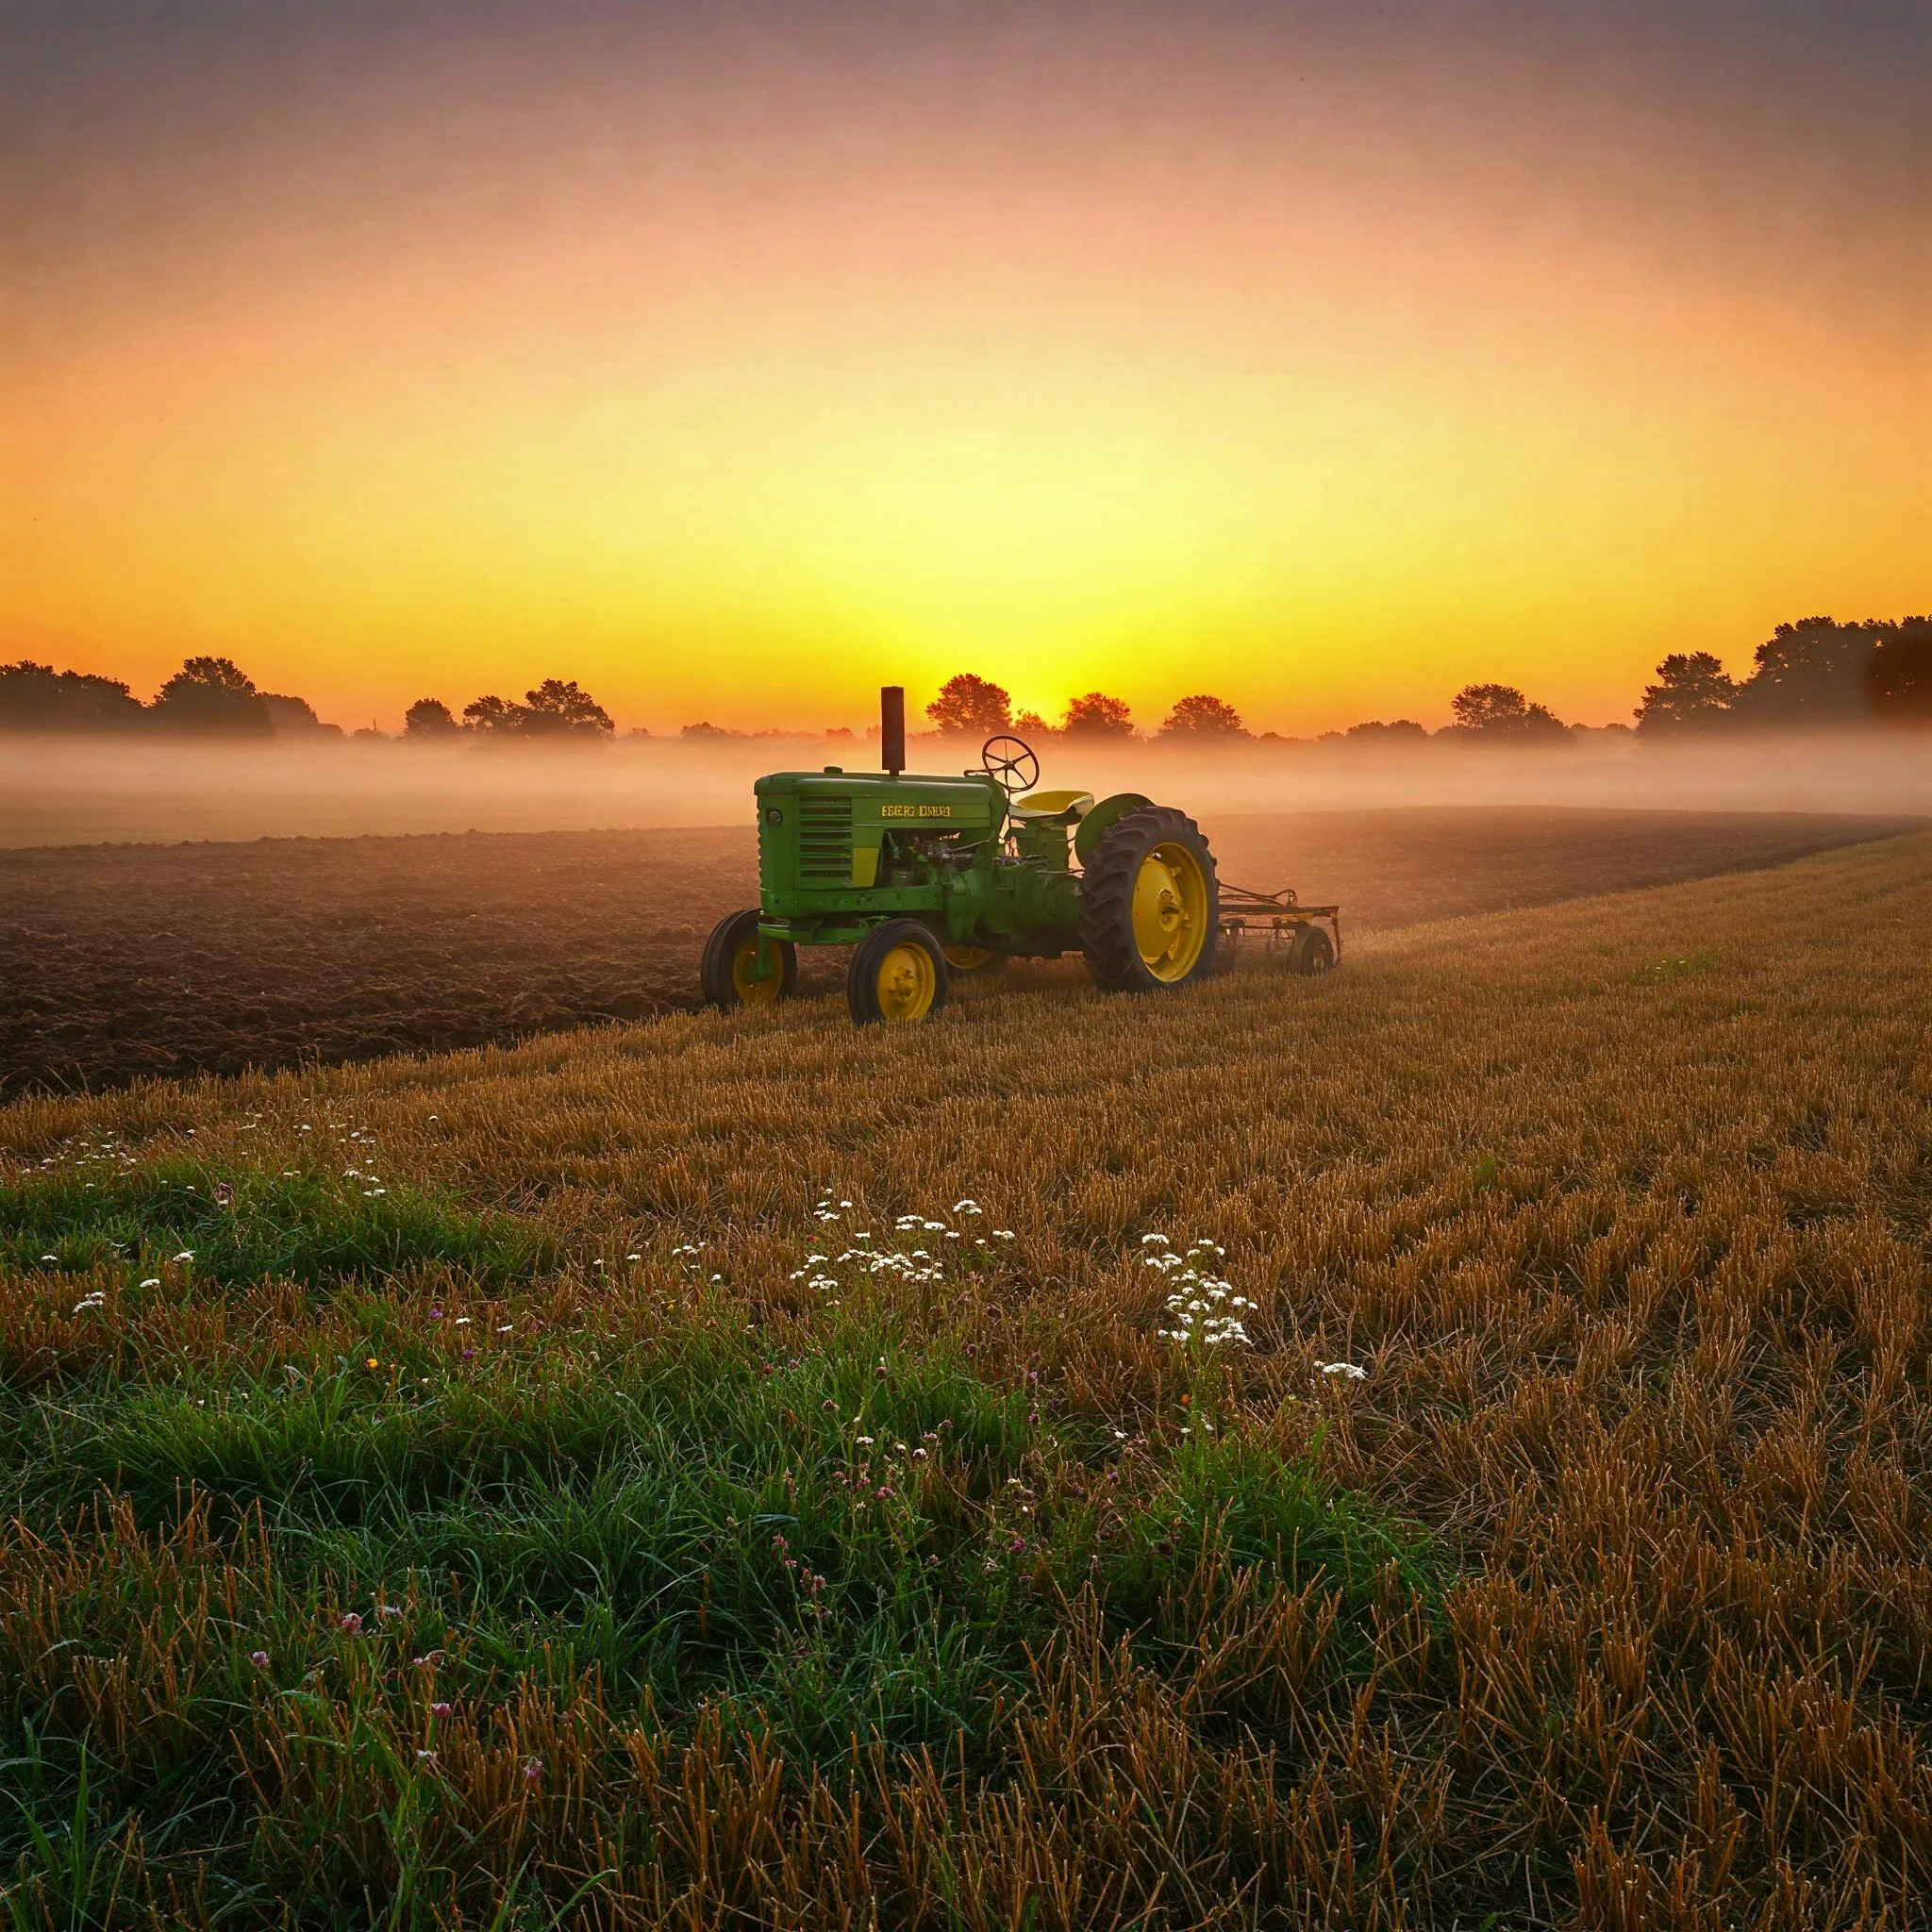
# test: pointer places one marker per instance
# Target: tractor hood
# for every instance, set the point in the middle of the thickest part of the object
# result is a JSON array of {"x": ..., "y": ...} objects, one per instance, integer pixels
[{"x": 824, "y": 829}]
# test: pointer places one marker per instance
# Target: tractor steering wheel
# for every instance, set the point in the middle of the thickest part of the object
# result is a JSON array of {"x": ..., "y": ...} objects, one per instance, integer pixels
[{"x": 1010, "y": 763}]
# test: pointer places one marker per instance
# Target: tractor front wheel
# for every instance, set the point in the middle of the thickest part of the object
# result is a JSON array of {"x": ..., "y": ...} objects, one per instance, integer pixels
[
  {"x": 740, "y": 968},
  {"x": 1150, "y": 905},
  {"x": 898, "y": 975}
]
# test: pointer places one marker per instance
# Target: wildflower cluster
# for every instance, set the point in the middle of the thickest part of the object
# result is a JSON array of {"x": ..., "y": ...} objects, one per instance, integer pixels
[
  {"x": 691, "y": 1253},
  {"x": 867, "y": 1256},
  {"x": 1205, "y": 1310},
  {"x": 350, "y": 1622},
  {"x": 1011, "y": 1525},
  {"x": 878, "y": 1468},
  {"x": 81, "y": 1153},
  {"x": 812, "y": 1584}
]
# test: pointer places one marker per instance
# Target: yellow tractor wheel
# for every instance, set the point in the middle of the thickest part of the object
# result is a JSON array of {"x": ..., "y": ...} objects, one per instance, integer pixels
[
  {"x": 740, "y": 968},
  {"x": 898, "y": 975},
  {"x": 1150, "y": 905}
]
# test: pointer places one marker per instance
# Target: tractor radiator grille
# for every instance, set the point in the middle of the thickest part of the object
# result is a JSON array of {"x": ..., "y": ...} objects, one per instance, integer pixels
[{"x": 825, "y": 841}]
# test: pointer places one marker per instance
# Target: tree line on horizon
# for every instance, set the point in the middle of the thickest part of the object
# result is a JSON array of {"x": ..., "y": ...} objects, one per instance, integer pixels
[
  {"x": 207, "y": 697},
  {"x": 557, "y": 709},
  {"x": 213, "y": 697},
  {"x": 970, "y": 706},
  {"x": 1817, "y": 672}
]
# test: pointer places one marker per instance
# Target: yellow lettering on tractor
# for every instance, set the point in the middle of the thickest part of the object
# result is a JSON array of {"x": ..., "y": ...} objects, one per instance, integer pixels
[{"x": 915, "y": 811}]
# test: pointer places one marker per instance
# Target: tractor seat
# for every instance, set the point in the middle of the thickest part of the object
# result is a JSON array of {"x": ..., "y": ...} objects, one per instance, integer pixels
[{"x": 1068, "y": 807}]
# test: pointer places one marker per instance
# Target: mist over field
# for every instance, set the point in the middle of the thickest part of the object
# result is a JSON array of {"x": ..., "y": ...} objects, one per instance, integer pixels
[{"x": 84, "y": 791}]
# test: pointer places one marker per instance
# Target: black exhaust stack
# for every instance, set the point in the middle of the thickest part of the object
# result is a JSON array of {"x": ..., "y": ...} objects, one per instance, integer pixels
[{"x": 892, "y": 728}]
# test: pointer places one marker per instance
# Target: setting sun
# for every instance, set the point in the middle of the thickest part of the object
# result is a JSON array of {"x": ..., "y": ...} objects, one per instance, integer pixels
[{"x": 734, "y": 370}]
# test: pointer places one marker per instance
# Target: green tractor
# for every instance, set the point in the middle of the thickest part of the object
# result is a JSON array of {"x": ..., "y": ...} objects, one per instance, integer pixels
[{"x": 925, "y": 877}]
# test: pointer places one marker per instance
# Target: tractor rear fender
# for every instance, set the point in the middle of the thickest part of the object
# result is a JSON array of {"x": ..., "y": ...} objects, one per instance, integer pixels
[{"x": 1094, "y": 825}]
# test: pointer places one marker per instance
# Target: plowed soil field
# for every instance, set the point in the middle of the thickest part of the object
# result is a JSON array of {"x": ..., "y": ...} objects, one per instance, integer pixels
[{"x": 118, "y": 961}]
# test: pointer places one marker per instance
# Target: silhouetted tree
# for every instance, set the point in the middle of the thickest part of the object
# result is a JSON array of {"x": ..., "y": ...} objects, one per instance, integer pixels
[
  {"x": 557, "y": 709},
  {"x": 429, "y": 719},
  {"x": 1396, "y": 728},
  {"x": 493, "y": 716},
  {"x": 35, "y": 697},
  {"x": 1693, "y": 692},
  {"x": 1500, "y": 710},
  {"x": 295, "y": 717},
  {"x": 1814, "y": 672},
  {"x": 1095, "y": 715},
  {"x": 1203, "y": 716},
  {"x": 1901, "y": 672},
  {"x": 1031, "y": 725},
  {"x": 215, "y": 696},
  {"x": 970, "y": 706}
]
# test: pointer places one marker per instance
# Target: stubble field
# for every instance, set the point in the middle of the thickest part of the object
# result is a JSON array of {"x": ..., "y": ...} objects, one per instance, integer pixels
[
  {"x": 742, "y": 1471},
  {"x": 121, "y": 962}
]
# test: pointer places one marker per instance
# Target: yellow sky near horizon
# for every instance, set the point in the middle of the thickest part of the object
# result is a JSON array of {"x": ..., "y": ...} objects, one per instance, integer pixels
[{"x": 1151, "y": 386}]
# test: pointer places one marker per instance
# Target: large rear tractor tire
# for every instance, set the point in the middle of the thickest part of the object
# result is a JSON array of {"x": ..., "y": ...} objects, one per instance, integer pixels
[
  {"x": 1150, "y": 904},
  {"x": 897, "y": 976},
  {"x": 739, "y": 969}
]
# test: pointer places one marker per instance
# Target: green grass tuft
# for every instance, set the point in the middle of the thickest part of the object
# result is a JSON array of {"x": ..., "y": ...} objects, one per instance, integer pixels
[{"x": 244, "y": 1225}]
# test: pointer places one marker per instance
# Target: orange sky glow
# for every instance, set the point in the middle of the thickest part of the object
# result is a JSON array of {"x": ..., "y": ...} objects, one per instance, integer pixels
[{"x": 733, "y": 365}]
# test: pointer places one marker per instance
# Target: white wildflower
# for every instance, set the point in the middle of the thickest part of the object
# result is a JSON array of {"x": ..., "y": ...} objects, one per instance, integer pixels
[{"x": 1196, "y": 1306}]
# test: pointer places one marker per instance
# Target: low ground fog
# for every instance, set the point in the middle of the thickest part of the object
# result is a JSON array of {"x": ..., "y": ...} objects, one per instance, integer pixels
[{"x": 59, "y": 792}]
